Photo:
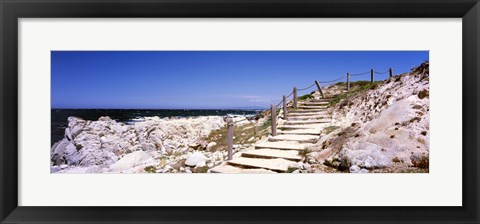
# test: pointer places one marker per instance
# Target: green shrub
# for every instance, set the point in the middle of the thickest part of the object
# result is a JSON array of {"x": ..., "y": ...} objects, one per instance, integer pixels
[
  {"x": 150, "y": 169},
  {"x": 306, "y": 97}
]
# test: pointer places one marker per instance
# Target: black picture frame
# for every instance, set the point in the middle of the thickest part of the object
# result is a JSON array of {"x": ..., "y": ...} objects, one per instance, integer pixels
[{"x": 12, "y": 10}]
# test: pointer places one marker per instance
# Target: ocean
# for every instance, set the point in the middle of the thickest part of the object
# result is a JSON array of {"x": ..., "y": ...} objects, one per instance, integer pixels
[{"x": 59, "y": 117}]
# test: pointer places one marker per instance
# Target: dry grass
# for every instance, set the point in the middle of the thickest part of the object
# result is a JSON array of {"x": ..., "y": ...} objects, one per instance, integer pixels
[
  {"x": 241, "y": 134},
  {"x": 355, "y": 88}
]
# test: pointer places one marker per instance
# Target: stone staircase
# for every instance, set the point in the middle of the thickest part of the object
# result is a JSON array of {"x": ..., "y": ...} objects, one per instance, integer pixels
[{"x": 301, "y": 130}]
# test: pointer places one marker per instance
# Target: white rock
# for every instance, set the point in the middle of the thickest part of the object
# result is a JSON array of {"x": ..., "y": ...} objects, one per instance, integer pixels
[
  {"x": 68, "y": 134},
  {"x": 195, "y": 159},
  {"x": 298, "y": 165},
  {"x": 354, "y": 169},
  {"x": 54, "y": 169},
  {"x": 58, "y": 151},
  {"x": 211, "y": 145},
  {"x": 201, "y": 164},
  {"x": 71, "y": 154},
  {"x": 168, "y": 168},
  {"x": 103, "y": 139},
  {"x": 306, "y": 166},
  {"x": 130, "y": 160},
  {"x": 363, "y": 171}
]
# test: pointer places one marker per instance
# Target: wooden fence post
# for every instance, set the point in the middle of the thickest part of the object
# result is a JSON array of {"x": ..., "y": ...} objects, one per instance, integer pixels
[
  {"x": 371, "y": 75},
  {"x": 319, "y": 89},
  {"x": 348, "y": 81},
  {"x": 274, "y": 120},
  {"x": 295, "y": 97},
  {"x": 391, "y": 72},
  {"x": 230, "y": 126},
  {"x": 285, "y": 115}
]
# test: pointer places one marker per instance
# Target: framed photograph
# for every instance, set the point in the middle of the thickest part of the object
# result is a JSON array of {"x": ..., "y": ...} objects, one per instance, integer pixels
[{"x": 239, "y": 111}]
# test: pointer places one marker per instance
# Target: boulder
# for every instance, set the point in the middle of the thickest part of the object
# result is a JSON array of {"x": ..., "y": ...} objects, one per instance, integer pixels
[
  {"x": 148, "y": 147},
  {"x": 364, "y": 155},
  {"x": 68, "y": 134},
  {"x": 105, "y": 118},
  {"x": 130, "y": 160},
  {"x": 363, "y": 171},
  {"x": 201, "y": 164},
  {"x": 211, "y": 145},
  {"x": 354, "y": 169},
  {"x": 76, "y": 126},
  {"x": 71, "y": 155},
  {"x": 58, "y": 152},
  {"x": 167, "y": 169},
  {"x": 195, "y": 159},
  {"x": 306, "y": 166},
  {"x": 54, "y": 169}
]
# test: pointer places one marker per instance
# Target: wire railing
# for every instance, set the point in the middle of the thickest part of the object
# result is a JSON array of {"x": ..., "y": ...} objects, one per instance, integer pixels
[
  {"x": 358, "y": 74},
  {"x": 347, "y": 77},
  {"x": 326, "y": 82},
  {"x": 301, "y": 89}
]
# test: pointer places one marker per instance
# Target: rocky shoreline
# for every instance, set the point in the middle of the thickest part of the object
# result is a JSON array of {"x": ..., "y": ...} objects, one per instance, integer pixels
[
  {"x": 374, "y": 127},
  {"x": 160, "y": 145}
]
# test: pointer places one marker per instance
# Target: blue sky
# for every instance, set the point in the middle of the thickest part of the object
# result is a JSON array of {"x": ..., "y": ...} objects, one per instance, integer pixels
[{"x": 205, "y": 79}]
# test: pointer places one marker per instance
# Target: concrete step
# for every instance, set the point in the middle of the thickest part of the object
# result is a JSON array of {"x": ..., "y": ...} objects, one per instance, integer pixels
[
  {"x": 321, "y": 100},
  {"x": 312, "y": 107},
  {"x": 280, "y": 165},
  {"x": 318, "y": 121},
  {"x": 232, "y": 169},
  {"x": 306, "y": 126},
  {"x": 296, "y": 138},
  {"x": 285, "y": 145},
  {"x": 295, "y": 114},
  {"x": 307, "y": 103},
  {"x": 306, "y": 110},
  {"x": 301, "y": 132},
  {"x": 310, "y": 117},
  {"x": 273, "y": 154}
]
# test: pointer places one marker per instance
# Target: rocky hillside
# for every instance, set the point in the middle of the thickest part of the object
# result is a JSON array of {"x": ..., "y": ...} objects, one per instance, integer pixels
[{"x": 378, "y": 127}]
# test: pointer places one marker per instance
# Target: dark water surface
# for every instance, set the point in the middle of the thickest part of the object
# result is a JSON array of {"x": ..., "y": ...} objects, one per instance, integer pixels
[{"x": 59, "y": 118}]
